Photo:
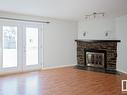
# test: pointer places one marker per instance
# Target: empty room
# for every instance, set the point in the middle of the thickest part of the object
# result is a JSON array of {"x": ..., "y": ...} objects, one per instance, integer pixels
[{"x": 63, "y": 47}]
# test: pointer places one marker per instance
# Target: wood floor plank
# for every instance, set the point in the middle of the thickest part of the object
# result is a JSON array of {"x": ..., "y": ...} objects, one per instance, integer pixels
[{"x": 62, "y": 81}]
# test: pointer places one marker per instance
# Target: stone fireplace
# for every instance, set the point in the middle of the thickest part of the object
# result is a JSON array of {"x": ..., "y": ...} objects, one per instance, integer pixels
[{"x": 97, "y": 53}]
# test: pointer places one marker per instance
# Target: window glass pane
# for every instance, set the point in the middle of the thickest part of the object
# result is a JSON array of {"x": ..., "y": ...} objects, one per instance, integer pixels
[
  {"x": 31, "y": 46},
  {"x": 9, "y": 46},
  {"x": 9, "y": 37}
]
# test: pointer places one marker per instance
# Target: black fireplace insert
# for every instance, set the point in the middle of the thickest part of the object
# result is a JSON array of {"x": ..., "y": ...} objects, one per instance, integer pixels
[{"x": 95, "y": 58}]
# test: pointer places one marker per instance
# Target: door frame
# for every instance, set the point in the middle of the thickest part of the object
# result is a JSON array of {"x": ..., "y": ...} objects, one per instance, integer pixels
[
  {"x": 20, "y": 46},
  {"x": 40, "y": 49},
  {"x": 11, "y": 69}
]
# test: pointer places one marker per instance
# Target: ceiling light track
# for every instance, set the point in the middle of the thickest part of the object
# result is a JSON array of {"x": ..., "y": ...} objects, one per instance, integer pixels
[{"x": 94, "y": 15}]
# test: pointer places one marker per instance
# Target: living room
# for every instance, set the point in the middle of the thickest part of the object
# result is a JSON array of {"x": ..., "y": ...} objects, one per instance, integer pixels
[{"x": 75, "y": 47}]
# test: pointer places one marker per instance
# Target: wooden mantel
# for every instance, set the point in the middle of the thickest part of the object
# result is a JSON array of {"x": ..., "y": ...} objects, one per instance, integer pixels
[{"x": 88, "y": 40}]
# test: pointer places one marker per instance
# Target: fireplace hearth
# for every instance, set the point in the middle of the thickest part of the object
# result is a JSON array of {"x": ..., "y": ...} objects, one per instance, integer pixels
[{"x": 101, "y": 54}]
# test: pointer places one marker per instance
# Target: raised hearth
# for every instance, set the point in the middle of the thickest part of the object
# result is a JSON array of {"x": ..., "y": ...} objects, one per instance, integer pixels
[{"x": 97, "y": 53}]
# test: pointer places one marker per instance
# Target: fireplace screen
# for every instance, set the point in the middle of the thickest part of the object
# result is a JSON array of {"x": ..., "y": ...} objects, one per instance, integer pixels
[{"x": 95, "y": 59}]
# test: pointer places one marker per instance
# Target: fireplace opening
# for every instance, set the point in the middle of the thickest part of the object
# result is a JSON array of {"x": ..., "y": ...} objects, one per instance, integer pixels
[{"x": 95, "y": 58}]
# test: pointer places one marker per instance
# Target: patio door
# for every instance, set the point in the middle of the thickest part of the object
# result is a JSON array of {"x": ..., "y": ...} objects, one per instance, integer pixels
[
  {"x": 32, "y": 47},
  {"x": 20, "y": 46},
  {"x": 9, "y": 47}
]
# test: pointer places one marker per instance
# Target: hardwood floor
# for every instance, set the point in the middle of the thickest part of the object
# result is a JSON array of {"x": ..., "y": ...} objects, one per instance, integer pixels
[{"x": 62, "y": 81}]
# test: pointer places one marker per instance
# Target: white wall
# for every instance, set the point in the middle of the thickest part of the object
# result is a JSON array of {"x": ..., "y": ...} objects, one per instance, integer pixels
[
  {"x": 59, "y": 36},
  {"x": 59, "y": 45},
  {"x": 121, "y": 31},
  {"x": 96, "y": 28}
]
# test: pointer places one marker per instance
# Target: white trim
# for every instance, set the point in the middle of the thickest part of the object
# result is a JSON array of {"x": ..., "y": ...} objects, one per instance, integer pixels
[
  {"x": 42, "y": 47},
  {"x": 18, "y": 72},
  {"x": 10, "y": 72},
  {"x": 122, "y": 71},
  {"x": 27, "y": 71},
  {"x": 55, "y": 67}
]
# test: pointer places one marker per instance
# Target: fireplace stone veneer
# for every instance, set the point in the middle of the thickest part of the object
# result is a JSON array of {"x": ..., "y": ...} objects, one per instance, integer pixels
[{"x": 109, "y": 46}]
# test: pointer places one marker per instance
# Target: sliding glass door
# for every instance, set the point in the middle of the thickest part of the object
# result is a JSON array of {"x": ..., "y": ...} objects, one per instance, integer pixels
[
  {"x": 20, "y": 46},
  {"x": 32, "y": 47},
  {"x": 9, "y": 46}
]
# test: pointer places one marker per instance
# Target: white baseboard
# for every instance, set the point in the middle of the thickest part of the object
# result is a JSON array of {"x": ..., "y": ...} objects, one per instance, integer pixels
[
  {"x": 9, "y": 73},
  {"x": 55, "y": 67},
  {"x": 45, "y": 68},
  {"x": 16, "y": 72},
  {"x": 121, "y": 71}
]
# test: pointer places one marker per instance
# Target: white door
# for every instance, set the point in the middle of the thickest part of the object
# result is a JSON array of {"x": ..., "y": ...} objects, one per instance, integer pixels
[
  {"x": 9, "y": 47},
  {"x": 20, "y": 46},
  {"x": 32, "y": 47}
]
